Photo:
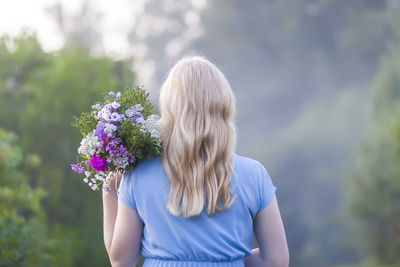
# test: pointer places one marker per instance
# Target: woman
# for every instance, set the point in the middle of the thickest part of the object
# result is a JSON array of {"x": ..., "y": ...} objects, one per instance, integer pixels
[{"x": 199, "y": 203}]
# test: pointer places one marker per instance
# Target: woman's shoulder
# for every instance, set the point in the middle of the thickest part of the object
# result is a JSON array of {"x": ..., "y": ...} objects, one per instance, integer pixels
[
  {"x": 149, "y": 162},
  {"x": 255, "y": 181},
  {"x": 250, "y": 171},
  {"x": 246, "y": 164},
  {"x": 145, "y": 165}
]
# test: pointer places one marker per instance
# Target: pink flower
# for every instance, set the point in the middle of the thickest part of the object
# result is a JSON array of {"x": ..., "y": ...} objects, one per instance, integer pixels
[{"x": 97, "y": 163}]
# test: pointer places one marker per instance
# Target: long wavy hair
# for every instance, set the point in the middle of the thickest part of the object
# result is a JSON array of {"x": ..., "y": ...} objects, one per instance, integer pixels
[{"x": 198, "y": 134}]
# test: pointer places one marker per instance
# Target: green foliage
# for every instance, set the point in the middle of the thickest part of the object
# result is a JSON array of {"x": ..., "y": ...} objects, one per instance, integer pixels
[
  {"x": 39, "y": 95},
  {"x": 86, "y": 123},
  {"x": 24, "y": 236},
  {"x": 135, "y": 95},
  {"x": 366, "y": 264},
  {"x": 143, "y": 144},
  {"x": 375, "y": 179}
]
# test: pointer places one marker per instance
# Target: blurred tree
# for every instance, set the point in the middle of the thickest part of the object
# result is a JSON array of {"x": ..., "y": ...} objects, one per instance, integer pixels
[
  {"x": 374, "y": 183},
  {"x": 162, "y": 31},
  {"x": 298, "y": 71},
  {"x": 25, "y": 239},
  {"x": 39, "y": 94},
  {"x": 79, "y": 28}
]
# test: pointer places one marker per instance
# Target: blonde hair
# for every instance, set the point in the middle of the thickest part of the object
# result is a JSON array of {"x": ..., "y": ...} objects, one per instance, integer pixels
[{"x": 198, "y": 135}]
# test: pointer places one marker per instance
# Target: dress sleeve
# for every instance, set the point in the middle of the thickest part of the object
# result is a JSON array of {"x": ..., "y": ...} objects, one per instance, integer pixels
[
  {"x": 267, "y": 188},
  {"x": 125, "y": 190}
]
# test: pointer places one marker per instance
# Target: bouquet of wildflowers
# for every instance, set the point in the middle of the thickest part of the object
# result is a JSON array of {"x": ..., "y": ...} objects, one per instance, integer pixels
[{"x": 117, "y": 133}]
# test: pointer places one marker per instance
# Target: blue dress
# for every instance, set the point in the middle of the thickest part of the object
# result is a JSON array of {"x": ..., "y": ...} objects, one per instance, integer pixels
[{"x": 219, "y": 240}]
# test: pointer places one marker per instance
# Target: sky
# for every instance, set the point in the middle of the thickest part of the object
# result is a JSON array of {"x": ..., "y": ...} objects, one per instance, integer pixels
[{"x": 117, "y": 18}]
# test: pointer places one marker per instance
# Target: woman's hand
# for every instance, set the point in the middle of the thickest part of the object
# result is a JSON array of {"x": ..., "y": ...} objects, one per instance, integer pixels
[{"x": 113, "y": 181}]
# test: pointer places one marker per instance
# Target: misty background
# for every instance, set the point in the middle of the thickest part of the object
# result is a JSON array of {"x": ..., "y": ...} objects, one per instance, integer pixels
[{"x": 317, "y": 86}]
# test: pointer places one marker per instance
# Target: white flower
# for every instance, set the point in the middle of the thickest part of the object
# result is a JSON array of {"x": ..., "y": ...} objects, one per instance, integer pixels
[
  {"x": 96, "y": 107},
  {"x": 86, "y": 180},
  {"x": 89, "y": 144},
  {"x": 108, "y": 107},
  {"x": 150, "y": 125},
  {"x": 140, "y": 120},
  {"x": 99, "y": 114},
  {"x": 110, "y": 129},
  {"x": 87, "y": 173},
  {"x": 105, "y": 115},
  {"x": 114, "y": 117},
  {"x": 121, "y": 162},
  {"x": 100, "y": 176},
  {"x": 138, "y": 107},
  {"x": 115, "y": 105},
  {"x": 90, "y": 184}
]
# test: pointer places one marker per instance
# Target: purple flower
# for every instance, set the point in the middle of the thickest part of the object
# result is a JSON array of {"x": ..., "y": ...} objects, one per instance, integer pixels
[
  {"x": 130, "y": 112},
  {"x": 139, "y": 115},
  {"x": 115, "y": 142},
  {"x": 103, "y": 144},
  {"x": 98, "y": 163},
  {"x": 136, "y": 117},
  {"x": 100, "y": 130},
  {"x": 122, "y": 149},
  {"x": 77, "y": 168},
  {"x": 132, "y": 159}
]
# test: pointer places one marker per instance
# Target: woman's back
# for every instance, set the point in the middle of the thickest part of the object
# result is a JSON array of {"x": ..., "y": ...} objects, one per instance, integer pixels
[
  {"x": 197, "y": 204},
  {"x": 222, "y": 239}
]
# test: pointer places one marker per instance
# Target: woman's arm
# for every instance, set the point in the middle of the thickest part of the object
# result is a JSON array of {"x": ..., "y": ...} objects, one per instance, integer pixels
[
  {"x": 110, "y": 210},
  {"x": 270, "y": 234},
  {"x": 122, "y": 230}
]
